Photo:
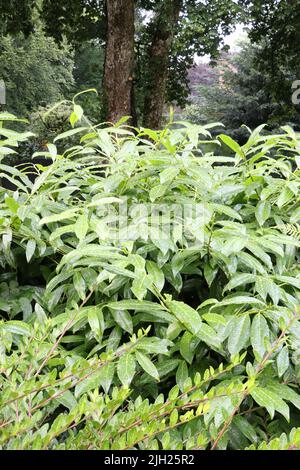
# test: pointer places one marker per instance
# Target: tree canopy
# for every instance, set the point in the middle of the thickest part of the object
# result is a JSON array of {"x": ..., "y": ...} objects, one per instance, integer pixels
[
  {"x": 164, "y": 39},
  {"x": 35, "y": 70},
  {"x": 277, "y": 22},
  {"x": 242, "y": 94},
  {"x": 162, "y": 51}
]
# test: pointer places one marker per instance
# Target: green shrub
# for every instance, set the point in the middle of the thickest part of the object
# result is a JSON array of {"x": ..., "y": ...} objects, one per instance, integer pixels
[{"x": 114, "y": 339}]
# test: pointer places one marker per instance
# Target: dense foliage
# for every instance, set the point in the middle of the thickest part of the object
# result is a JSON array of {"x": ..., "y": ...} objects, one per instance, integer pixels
[
  {"x": 121, "y": 340},
  {"x": 35, "y": 71},
  {"x": 277, "y": 22},
  {"x": 160, "y": 40},
  {"x": 242, "y": 94},
  {"x": 161, "y": 48}
]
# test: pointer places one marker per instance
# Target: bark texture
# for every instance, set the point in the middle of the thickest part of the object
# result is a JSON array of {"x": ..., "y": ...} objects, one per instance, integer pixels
[
  {"x": 119, "y": 60},
  {"x": 163, "y": 34}
]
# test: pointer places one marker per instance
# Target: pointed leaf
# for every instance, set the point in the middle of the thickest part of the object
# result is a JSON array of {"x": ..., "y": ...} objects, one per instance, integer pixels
[
  {"x": 147, "y": 365},
  {"x": 239, "y": 334},
  {"x": 126, "y": 369}
]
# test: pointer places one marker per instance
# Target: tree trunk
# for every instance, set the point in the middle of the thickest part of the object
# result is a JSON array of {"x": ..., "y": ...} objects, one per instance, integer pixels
[
  {"x": 158, "y": 61},
  {"x": 119, "y": 60}
]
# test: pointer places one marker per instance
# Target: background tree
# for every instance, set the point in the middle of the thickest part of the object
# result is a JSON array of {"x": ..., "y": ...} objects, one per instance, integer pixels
[
  {"x": 277, "y": 22},
  {"x": 88, "y": 71},
  {"x": 162, "y": 30},
  {"x": 242, "y": 94},
  {"x": 177, "y": 31},
  {"x": 119, "y": 60},
  {"x": 166, "y": 44},
  {"x": 145, "y": 73},
  {"x": 35, "y": 70},
  {"x": 16, "y": 16}
]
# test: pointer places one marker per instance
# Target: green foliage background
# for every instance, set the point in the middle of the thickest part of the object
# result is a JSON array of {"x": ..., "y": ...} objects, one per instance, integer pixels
[{"x": 35, "y": 71}]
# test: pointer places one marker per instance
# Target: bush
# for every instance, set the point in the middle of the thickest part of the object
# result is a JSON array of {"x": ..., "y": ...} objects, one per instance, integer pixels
[{"x": 114, "y": 338}]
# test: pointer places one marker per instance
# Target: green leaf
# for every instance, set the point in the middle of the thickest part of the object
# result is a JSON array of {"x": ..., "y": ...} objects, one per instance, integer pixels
[
  {"x": 240, "y": 279},
  {"x": 76, "y": 114},
  {"x": 57, "y": 233},
  {"x": 186, "y": 315},
  {"x": 214, "y": 318},
  {"x": 259, "y": 331},
  {"x": 270, "y": 246},
  {"x": 132, "y": 304},
  {"x": 188, "y": 345},
  {"x": 70, "y": 133},
  {"x": 261, "y": 287},
  {"x": 271, "y": 401},
  {"x": 12, "y": 204},
  {"x": 166, "y": 366},
  {"x": 210, "y": 273},
  {"x": 246, "y": 428},
  {"x": 16, "y": 327},
  {"x": 262, "y": 212},
  {"x": 153, "y": 345},
  {"x": 173, "y": 417},
  {"x": 239, "y": 335},
  {"x": 222, "y": 209},
  {"x": 81, "y": 227},
  {"x": 95, "y": 251},
  {"x": 70, "y": 213},
  {"x": 96, "y": 321},
  {"x": 155, "y": 275},
  {"x": 106, "y": 376},
  {"x": 147, "y": 365},
  {"x": 123, "y": 319},
  {"x": 67, "y": 399},
  {"x": 282, "y": 361},
  {"x": 140, "y": 285},
  {"x": 234, "y": 245},
  {"x": 295, "y": 216},
  {"x": 207, "y": 334},
  {"x": 103, "y": 200},
  {"x": 157, "y": 192},
  {"x": 182, "y": 374},
  {"x": 30, "y": 249},
  {"x": 79, "y": 284},
  {"x": 285, "y": 196},
  {"x": 232, "y": 144},
  {"x": 102, "y": 376},
  {"x": 260, "y": 253},
  {"x": 265, "y": 287},
  {"x": 285, "y": 392},
  {"x": 293, "y": 281},
  {"x": 168, "y": 175},
  {"x": 126, "y": 369},
  {"x": 251, "y": 262},
  {"x": 239, "y": 300},
  {"x": 56, "y": 280}
]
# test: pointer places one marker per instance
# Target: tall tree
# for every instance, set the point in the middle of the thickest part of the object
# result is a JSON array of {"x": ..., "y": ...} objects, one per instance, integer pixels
[
  {"x": 242, "y": 97},
  {"x": 119, "y": 59},
  {"x": 174, "y": 31},
  {"x": 163, "y": 30},
  {"x": 166, "y": 43},
  {"x": 16, "y": 16},
  {"x": 177, "y": 31},
  {"x": 277, "y": 23},
  {"x": 36, "y": 70}
]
